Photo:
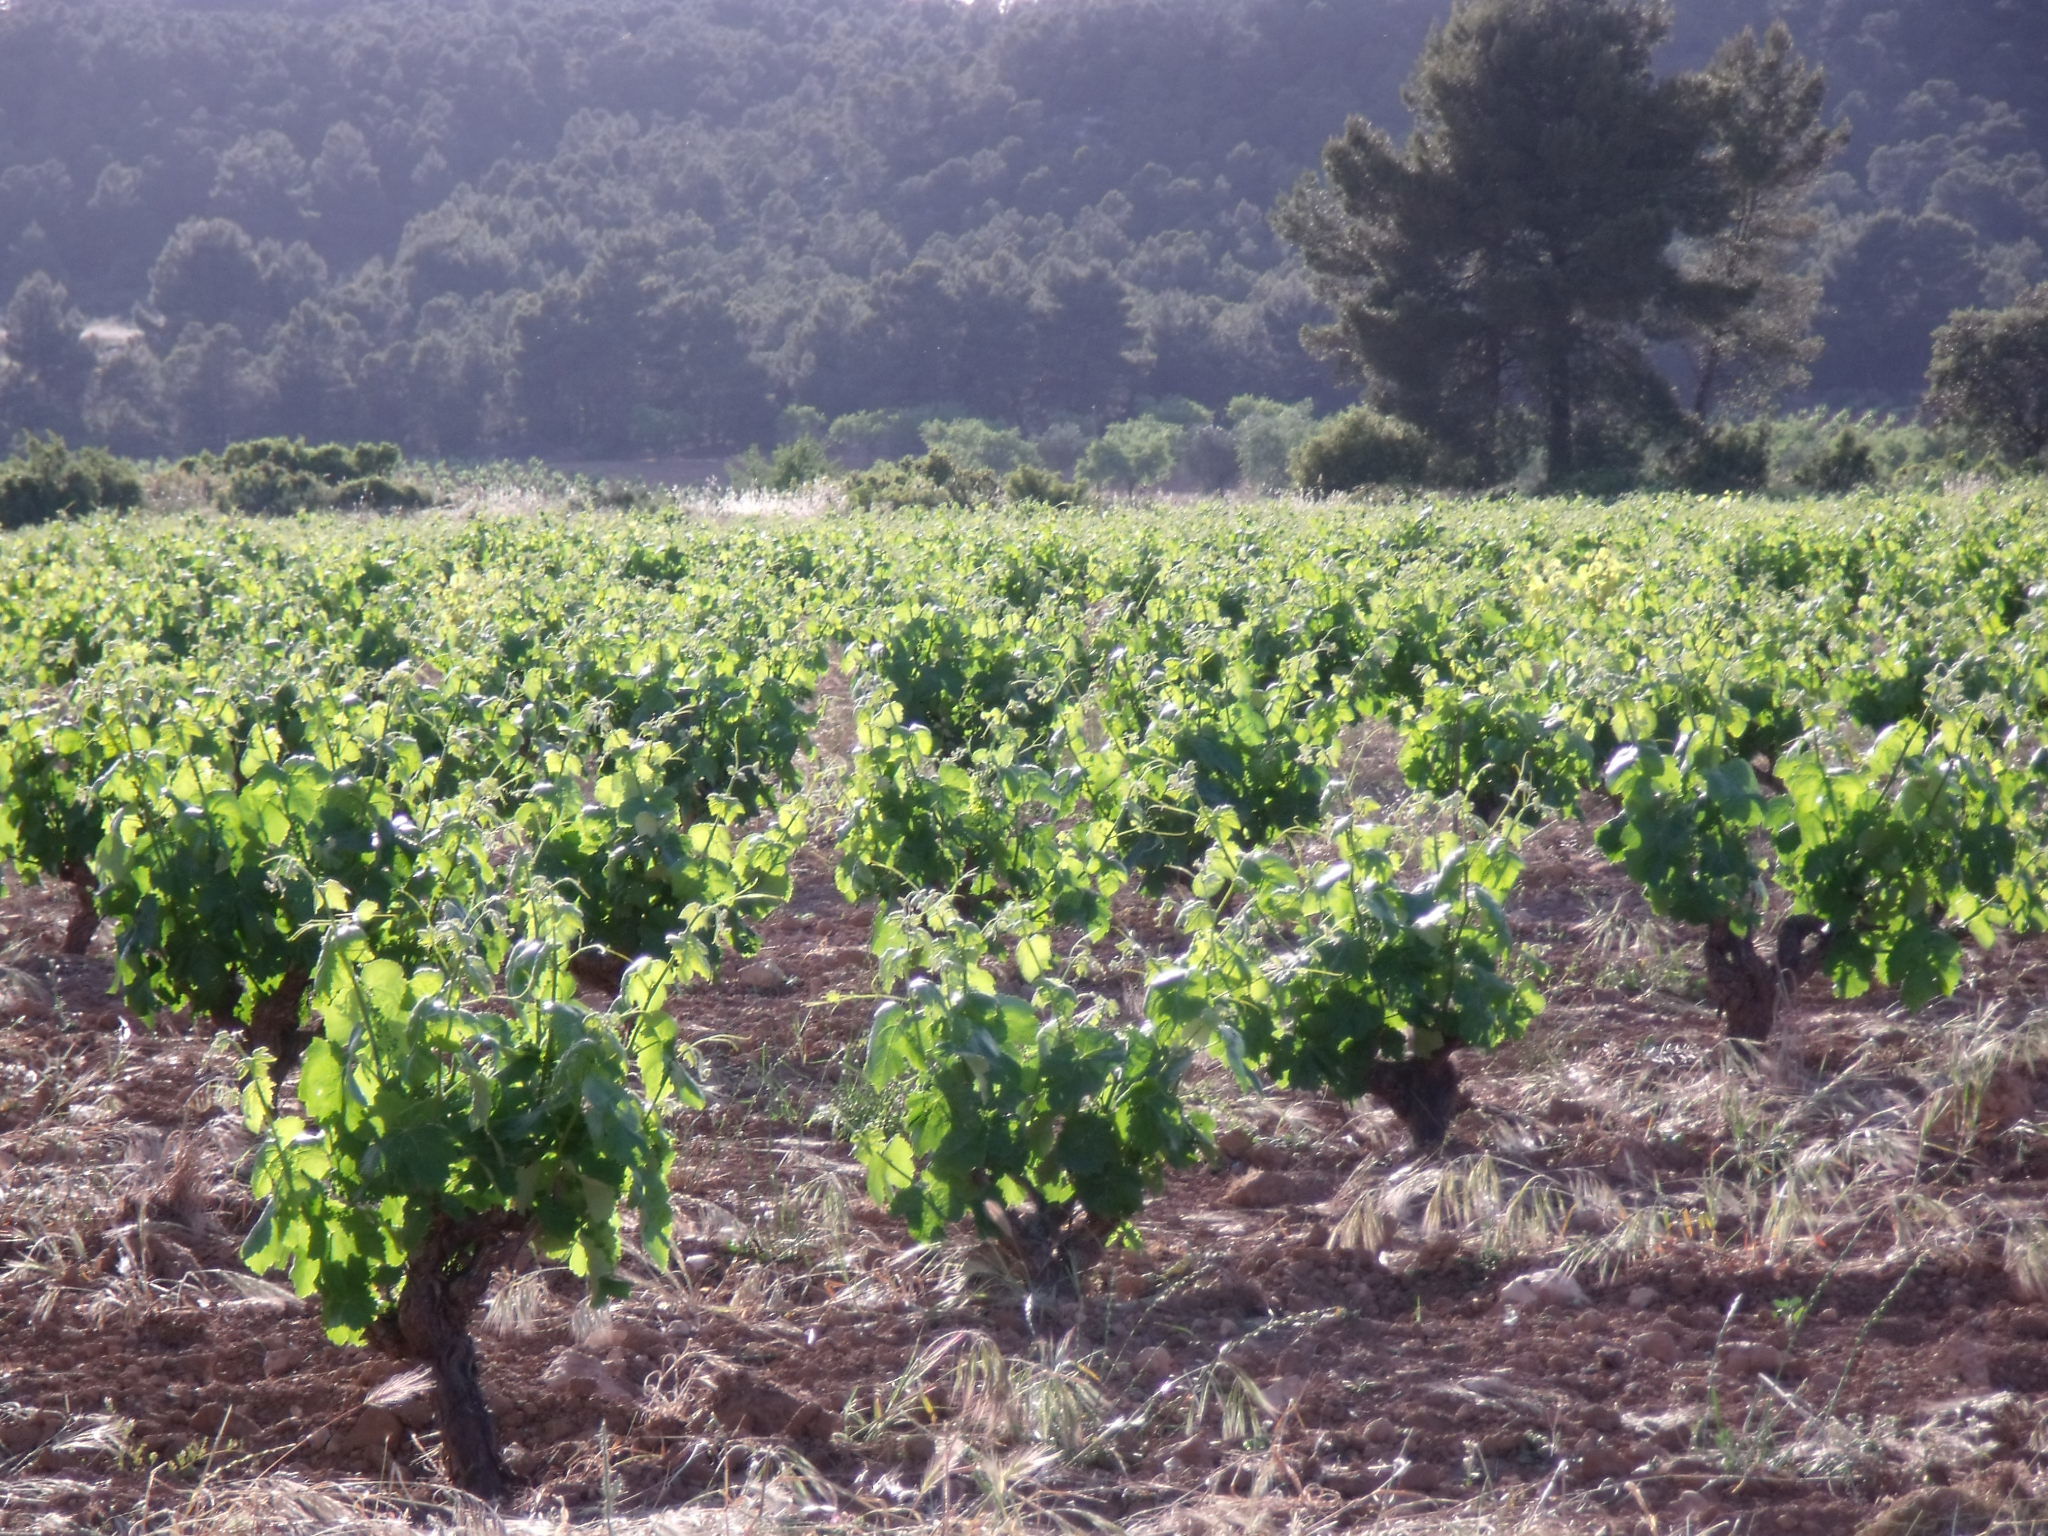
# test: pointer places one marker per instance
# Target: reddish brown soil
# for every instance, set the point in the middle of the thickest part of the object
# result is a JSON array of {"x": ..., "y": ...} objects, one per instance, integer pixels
[{"x": 1717, "y": 1373}]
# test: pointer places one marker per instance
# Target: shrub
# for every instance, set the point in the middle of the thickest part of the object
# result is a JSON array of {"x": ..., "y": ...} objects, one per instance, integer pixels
[
  {"x": 379, "y": 495},
  {"x": 1845, "y": 464},
  {"x": 794, "y": 466},
  {"x": 1061, "y": 445},
  {"x": 798, "y": 422},
  {"x": 277, "y": 475},
  {"x": 932, "y": 481},
  {"x": 1989, "y": 377},
  {"x": 862, "y": 437},
  {"x": 45, "y": 480},
  {"x": 797, "y": 464},
  {"x": 1266, "y": 433},
  {"x": 1361, "y": 447},
  {"x": 1896, "y": 445},
  {"x": 1725, "y": 458},
  {"x": 1131, "y": 453},
  {"x": 1208, "y": 457},
  {"x": 974, "y": 444},
  {"x": 1028, "y": 482}
]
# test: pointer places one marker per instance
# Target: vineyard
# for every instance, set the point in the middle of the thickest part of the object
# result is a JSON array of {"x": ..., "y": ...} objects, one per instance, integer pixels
[{"x": 1498, "y": 1015}]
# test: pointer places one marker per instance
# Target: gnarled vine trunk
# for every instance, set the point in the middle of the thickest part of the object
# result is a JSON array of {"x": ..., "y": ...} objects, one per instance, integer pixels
[
  {"x": 444, "y": 1282},
  {"x": 274, "y": 1022},
  {"x": 1747, "y": 988},
  {"x": 85, "y": 922},
  {"x": 1423, "y": 1091}
]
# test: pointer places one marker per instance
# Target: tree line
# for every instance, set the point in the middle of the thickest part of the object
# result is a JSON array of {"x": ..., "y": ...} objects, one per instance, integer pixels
[{"x": 605, "y": 227}]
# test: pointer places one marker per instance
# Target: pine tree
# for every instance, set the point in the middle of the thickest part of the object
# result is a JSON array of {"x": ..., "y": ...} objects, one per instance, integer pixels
[
  {"x": 1770, "y": 147},
  {"x": 1558, "y": 210}
]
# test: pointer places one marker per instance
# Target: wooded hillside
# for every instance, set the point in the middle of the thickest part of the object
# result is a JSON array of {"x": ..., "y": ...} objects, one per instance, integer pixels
[{"x": 621, "y": 225}]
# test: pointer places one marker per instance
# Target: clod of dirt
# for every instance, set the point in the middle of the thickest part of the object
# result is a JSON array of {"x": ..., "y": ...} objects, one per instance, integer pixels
[
  {"x": 1752, "y": 1360},
  {"x": 1235, "y": 1143},
  {"x": 374, "y": 1433},
  {"x": 1264, "y": 1189},
  {"x": 1418, "y": 1477},
  {"x": 1694, "y": 1506},
  {"x": 1597, "y": 1460},
  {"x": 1932, "y": 1512},
  {"x": 1658, "y": 1345},
  {"x": 1967, "y": 1359},
  {"x": 408, "y": 1397},
  {"x": 746, "y": 1405},
  {"x": 1543, "y": 1288},
  {"x": 1155, "y": 1364},
  {"x": 583, "y": 1377},
  {"x": 763, "y": 976}
]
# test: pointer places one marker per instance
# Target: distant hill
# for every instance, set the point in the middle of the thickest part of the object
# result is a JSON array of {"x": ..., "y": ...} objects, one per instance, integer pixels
[{"x": 612, "y": 226}]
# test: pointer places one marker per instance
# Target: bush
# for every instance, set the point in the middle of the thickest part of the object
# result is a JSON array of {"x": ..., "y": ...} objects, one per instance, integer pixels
[
  {"x": 1727, "y": 458},
  {"x": 379, "y": 495},
  {"x": 1061, "y": 445},
  {"x": 797, "y": 464},
  {"x": 1131, "y": 453},
  {"x": 1361, "y": 447},
  {"x": 1896, "y": 446},
  {"x": 1266, "y": 433},
  {"x": 271, "y": 476},
  {"x": 45, "y": 480},
  {"x": 1208, "y": 457},
  {"x": 1844, "y": 465},
  {"x": 1989, "y": 377},
  {"x": 1028, "y": 482},
  {"x": 862, "y": 437},
  {"x": 932, "y": 481},
  {"x": 974, "y": 444},
  {"x": 794, "y": 466}
]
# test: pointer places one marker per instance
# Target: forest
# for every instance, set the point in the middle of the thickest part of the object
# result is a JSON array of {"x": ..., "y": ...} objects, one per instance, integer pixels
[{"x": 655, "y": 226}]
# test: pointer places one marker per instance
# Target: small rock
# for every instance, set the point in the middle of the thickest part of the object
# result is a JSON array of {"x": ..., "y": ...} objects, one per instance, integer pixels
[
  {"x": 1194, "y": 1454},
  {"x": 1154, "y": 1365},
  {"x": 20, "y": 1432},
  {"x": 1131, "y": 1285},
  {"x": 1752, "y": 1359},
  {"x": 1932, "y": 1512},
  {"x": 1264, "y": 1188},
  {"x": 1235, "y": 1143},
  {"x": 1605, "y": 1459},
  {"x": 1659, "y": 1345},
  {"x": 374, "y": 1432},
  {"x": 812, "y": 1422},
  {"x": 1418, "y": 1477},
  {"x": 1379, "y": 1431},
  {"x": 409, "y": 1396},
  {"x": 762, "y": 976},
  {"x": 584, "y": 1377},
  {"x": 1694, "y": 1506},
  {"x": 1966, "y": 1359},
  {"x": 747, "y": 1405},
  {"x": 1283, "y": 1393},
  {"x": 283, "y": 1360},
  {"x": 1543, "y": 1288},
  {"x": 1642, "y": 1298}
]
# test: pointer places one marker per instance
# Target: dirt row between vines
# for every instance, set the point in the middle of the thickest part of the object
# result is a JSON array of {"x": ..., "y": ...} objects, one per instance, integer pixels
[{"x": 1801, "y": 1293}]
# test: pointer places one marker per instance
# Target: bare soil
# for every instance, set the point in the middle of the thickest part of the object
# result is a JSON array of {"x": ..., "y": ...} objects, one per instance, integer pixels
[{"x": 1803, "y": 1290}]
